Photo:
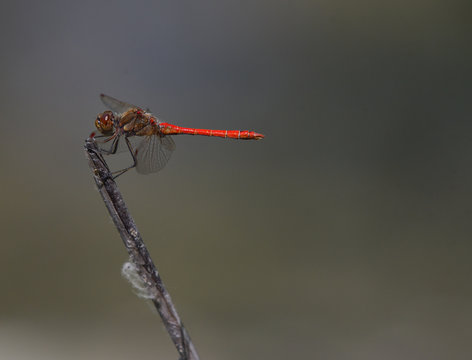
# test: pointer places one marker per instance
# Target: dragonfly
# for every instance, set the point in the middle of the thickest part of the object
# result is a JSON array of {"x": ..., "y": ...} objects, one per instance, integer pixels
[{"x": 148, "y": 139}]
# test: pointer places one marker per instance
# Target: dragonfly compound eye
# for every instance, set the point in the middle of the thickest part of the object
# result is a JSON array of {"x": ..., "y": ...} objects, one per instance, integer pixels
[{"x": 104, "y": 122}]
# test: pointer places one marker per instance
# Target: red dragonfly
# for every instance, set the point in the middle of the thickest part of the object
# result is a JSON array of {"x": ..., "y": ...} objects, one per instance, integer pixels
[{"x": 154, "y": 144}]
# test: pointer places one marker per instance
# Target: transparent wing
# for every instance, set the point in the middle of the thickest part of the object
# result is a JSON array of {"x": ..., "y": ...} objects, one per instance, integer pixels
[
  {"x": 153, "y": 153},
  {"x": 116, "y": 105}
]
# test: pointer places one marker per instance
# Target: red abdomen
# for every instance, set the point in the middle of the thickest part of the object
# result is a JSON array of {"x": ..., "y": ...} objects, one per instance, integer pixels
[{"x": 169, "y": 129}]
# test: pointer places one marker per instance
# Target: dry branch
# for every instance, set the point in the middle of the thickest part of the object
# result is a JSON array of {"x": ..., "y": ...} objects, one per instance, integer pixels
[{"x": 139, "y": 256}]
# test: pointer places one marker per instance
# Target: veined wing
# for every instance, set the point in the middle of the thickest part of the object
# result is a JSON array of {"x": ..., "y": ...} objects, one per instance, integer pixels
[
  {"x": 153, "y": 153},
  {"x": 116, "y": 105}
]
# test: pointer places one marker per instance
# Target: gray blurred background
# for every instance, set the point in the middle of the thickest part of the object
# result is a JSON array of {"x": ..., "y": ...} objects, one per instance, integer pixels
[{"x": 345, "y": 234}]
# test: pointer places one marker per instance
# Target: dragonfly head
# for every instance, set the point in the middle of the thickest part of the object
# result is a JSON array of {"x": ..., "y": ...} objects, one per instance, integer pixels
[{"x": 104, "y": 122}]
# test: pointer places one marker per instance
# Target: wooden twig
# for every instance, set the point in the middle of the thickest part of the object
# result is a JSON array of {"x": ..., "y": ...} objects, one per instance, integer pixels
[{"x": 139, "y": 256}]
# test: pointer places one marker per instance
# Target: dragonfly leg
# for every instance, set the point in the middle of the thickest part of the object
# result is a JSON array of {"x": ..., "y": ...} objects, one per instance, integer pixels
[
  {"x": 133, "y": 155},
  {"x": 113, "y": 147}
]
